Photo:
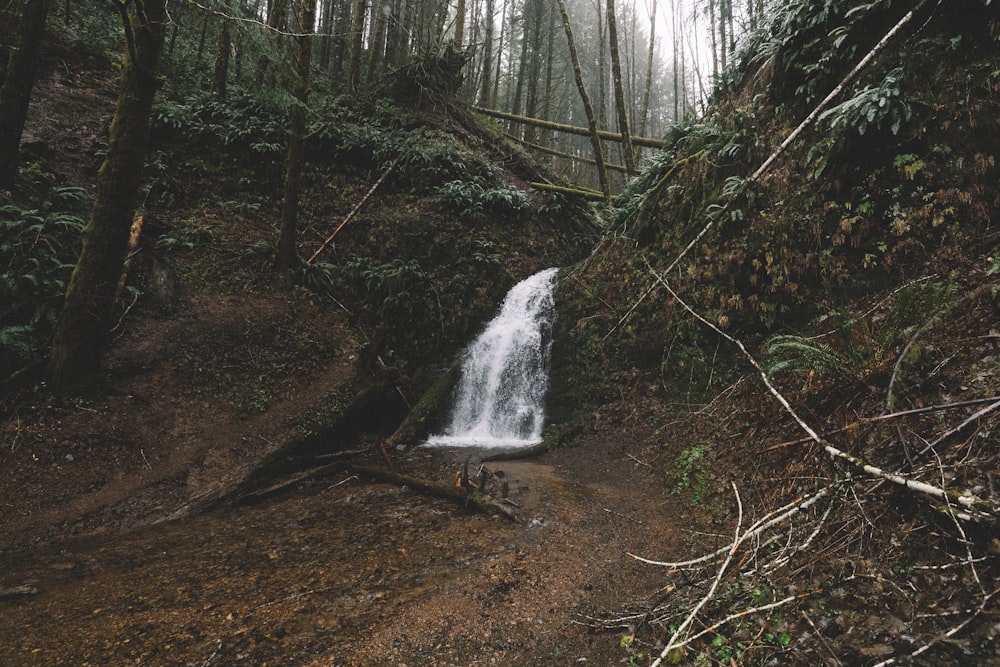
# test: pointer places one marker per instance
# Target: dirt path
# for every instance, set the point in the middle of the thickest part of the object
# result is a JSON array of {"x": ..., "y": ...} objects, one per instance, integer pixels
[{"x": 348, "y": 573}]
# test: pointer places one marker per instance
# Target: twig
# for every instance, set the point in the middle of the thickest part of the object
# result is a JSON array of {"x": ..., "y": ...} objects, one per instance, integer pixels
[
  {"x": 951, "y": 633},
  {"x": 822, "y": 639},
  {"x": 950, "y": 432},
  {"x": 737, "y": 539},
  {"x": 891, "y": 415},
  {"x": 771, "y": 519}
]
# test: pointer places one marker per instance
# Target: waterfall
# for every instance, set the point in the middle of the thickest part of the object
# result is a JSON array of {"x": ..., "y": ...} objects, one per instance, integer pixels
[{"x": 499, "y": 399}]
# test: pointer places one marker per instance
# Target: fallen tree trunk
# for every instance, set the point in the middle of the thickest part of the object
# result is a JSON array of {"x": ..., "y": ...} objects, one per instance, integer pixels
[
  {"x": 578, "y": 191},
  {"x": 569, "y": 129},
  {"x": 418, "y": 420},
  {"x": 568, "y": 156},
  {"x": 438, "y": 490}
]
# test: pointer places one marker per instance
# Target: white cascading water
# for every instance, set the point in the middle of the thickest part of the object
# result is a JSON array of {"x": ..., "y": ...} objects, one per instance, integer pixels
[{"x": 499, "y": 399}]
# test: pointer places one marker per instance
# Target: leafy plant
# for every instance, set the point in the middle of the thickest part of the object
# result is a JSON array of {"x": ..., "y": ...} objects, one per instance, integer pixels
[
  {"x": 390, "y": 284},
  {"x": 472, "y": 200},
  {"x": 880, "y": 107},
  {"x": 38, "y": 248},
  {"x": 685, "y": 466}
]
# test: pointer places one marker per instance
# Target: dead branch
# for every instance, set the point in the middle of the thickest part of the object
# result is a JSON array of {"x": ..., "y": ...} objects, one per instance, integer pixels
[
  {"x": 973, "y": 507},
  {"x": 563, "y": 154},
  {"x": 357, "y": 207},
  {"x": 578, "y": 190},
  {"x": 438, "y": 490},
  {"x": 682, "y": 628},
  {"x": 17, "y": 592},
  {"x": 956, "y": 429},
  {"x": 892, "y": 415},
  {"x": 771, "y": 519}
]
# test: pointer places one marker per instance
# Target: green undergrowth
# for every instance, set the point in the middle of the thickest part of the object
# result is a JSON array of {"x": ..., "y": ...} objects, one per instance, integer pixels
[{"x": 39, "y": 242}]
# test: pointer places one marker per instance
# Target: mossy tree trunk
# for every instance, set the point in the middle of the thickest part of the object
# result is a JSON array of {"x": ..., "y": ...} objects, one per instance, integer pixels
[
  {"x": 19, "y": 79},
  {"x": 81, "y": 335},
  {"x": 628, "y": 153},
  {"x": 286, "y": 258},
  {"x": 220, "y": 75}
]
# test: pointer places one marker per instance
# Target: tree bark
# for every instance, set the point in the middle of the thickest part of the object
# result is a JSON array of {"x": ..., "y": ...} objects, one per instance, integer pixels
[
  {"x": 286, "y": 257},
  {"x": 628, "y": 153},
  {"x": 588, "y": 108},
  {"x": 376, "y": 50},
  {"x": 648, "y": 84},
  {"x": 357, "y": 43},
  {"x": 81, "y": 335},
  {"x": 485, "y": 87},
  {"x": 220, "y": 75},
  {"x": 19, "y": 79},
  {"x": 460, "y": 25}
]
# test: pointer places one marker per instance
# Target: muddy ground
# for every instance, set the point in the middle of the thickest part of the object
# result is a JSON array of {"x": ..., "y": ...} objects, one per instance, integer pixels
[{"x": 336, "y": 569}]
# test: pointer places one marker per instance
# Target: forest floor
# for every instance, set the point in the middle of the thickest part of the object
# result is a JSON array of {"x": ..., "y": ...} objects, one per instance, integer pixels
[{"x": 108, "y": 555}]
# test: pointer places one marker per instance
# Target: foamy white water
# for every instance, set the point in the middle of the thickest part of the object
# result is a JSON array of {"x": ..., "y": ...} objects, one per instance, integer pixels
[{"x": 499, "y": 400}]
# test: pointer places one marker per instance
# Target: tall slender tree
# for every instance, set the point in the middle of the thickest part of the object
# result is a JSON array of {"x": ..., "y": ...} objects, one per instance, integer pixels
[
  {"x": 81, "y": 335},
  {"x": 588, "y": 108},
  {"x": 357, "y": 45},
  {"x": 628, "y": 153},
  {"x": 286, "y": 258},
  {"x": 648, "y": 83},
  {"x": 220, "y": 74},
  {"x": 19, "y": 80}
]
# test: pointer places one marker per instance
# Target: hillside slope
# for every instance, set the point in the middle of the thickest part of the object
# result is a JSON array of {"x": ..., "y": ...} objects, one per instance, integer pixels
[{"x": 860, "y": 271}]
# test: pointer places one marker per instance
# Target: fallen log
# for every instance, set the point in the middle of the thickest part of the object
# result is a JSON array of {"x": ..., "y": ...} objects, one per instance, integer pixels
[
  {"x": 569, "y": 129},
  {"x": 455, "y": 494}
]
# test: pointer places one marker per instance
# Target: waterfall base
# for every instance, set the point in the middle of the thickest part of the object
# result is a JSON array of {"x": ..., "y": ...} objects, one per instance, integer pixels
[{"x": 499, "y": 399}]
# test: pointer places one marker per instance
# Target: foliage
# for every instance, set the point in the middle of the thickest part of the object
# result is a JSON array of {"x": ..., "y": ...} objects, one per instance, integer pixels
[
  {"x": 810, "y": 44},
  {"x": 688, "y": 468},
  {"x": 38, "y": 249},
  {"x": 473, "y": 201},
  {"x": 389, "y": 285},
  {"x": 876, "y": 107},
  {"x": 714, "y": 139},
  {"x": 254, "y": 123}
]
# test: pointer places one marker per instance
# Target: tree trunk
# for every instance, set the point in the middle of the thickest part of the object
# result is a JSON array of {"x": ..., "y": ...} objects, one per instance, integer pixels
[
  {"x": 394, "y": 36},
  {"x": 628, "y": 153},
  {"x": 286, "y": 257},
  {"x": 221, "y": 73},
  {"x": 484, "y": 91},
  {"x": 496, "y": 79},
  {"x": 277, "y": 20},
  {"x": 357, "y": 43},
  {"x": 459, "y": 25},
  {"x": 724, "y": 11},
  {"x": 588, "y": 108},
  {"x": 376, "y": 50},
  {"x": 81, "y": 335},
  {"x": 648, "y": 84},
  {"x": 19, "y": 79},
  {"x": 534, "y": 65},
  {"x": 676, "y": 67}
]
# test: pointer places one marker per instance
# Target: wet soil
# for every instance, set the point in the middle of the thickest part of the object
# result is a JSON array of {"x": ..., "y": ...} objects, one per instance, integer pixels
[{"x": 344, "y": 572}]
